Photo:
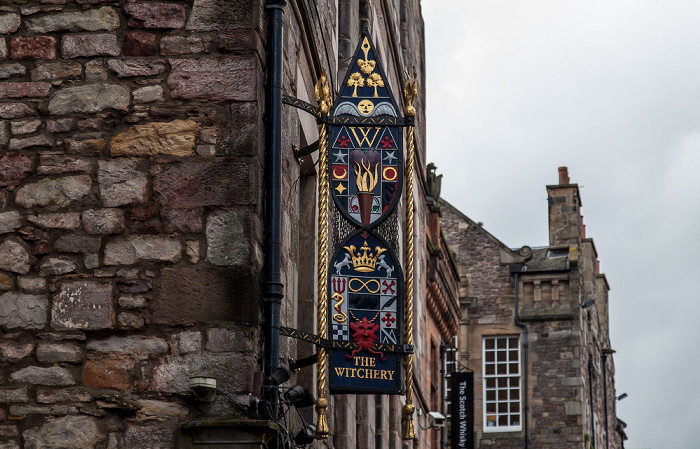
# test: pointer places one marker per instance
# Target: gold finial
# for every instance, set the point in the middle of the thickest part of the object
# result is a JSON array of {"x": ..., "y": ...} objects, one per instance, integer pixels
[
  {"x": 366, "y": 65},
  {"x": 323, "y": 94},
  {"x": 410, "y": 91}
]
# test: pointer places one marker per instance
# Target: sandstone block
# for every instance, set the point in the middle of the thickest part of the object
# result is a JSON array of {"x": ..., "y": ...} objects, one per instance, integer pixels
[
  {"x": 122, "y": 183},
  {"x": 133, "y": 345},
  {"x": 61, "y": 125},
  {"x": 237, "y": 78},
  {"x": 81, "y": 431},
  {"x": 191, "y": 295},
  {"x": 174, "y": 138},
  {"x": 54, "y": 376},
  {"x": 66, "y": 220},
  {"x": 102, "y": 19},
  {"x": 12, "y": 352},
  {"x": 87, "y": 147},
  {"x": 83, "y": 305},
  {"x": 214, "y": 15},
  {"x": 48, "y": 396},
  {"x": 86, "y": 45},
  {"x": 148, "y": 94},
  {"x": 190, "y": 342},
  {"x": 25, "y": 89},
  {"x": 8, "y": 430},
  {"x": 231, "y": 340},
  {"x": 18, "y": 310},
  {"x": 28, "y": 142},
  {"x": 182, "y": 220},
  {"x": 150, "y": 410},
  {"x": 128, "y": 320},
  {"x": 192, "y": 250},
  {"x": 41, "y": 47},
  {"x": 184, "y": 45},
  {"x": 139, "y": 43},
  {"x": 59, "y": 352},
  {"x": 31, "y": 284},
  {"x": 9, "y": 221},
  {"x": 231, "y": 239},
  {"x": 241, "y": 40},
  {"x": 14, "y": 167},
  {"x": 14, "y": 395},
  {"x": 150, "y": 436},
  {"x": 6, "y": 282},
  {"x": 14, "y": 257},
  {"x": 89, "y": 99},
  {"x": 54, "y": 164},
  {"x": 134, "y": 285},
  {"x": 211, "y": 182},
  {"x": 9, "y": 23},
  {"x": 59, "y": 192},
  {"x": 56, "y": 70},
  {"x": 234, "y": 373},
  {"x": 15, "y": 110},
  {"x": 11, "y": 70},
  {"x": 24, "y": 126},
  {"x": 132, "y": 302},
  {"x": 136, "y": 67},
  {"x": 103, "y": 221},
  {"x": 20, "y": 411},
  {"x": 56, "y": 266},
  {"x": 77, "y": 243},
  {"x": 142, "y": 248},
  {"x": 155, "y": 15}
]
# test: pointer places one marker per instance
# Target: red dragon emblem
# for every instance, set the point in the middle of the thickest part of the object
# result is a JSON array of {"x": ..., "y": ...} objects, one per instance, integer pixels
[{"x": 365, "y": 334}]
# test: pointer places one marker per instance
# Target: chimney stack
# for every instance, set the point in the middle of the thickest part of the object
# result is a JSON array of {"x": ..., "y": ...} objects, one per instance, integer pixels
[
  {"x": 564, "y": 176},
  {"x": 565, "y": 224}
]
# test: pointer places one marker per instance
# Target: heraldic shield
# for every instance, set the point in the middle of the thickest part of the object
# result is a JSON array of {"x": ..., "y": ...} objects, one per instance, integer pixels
[
  {"x": 366, "y": 311},
  {"x": 366, "y": 169}
]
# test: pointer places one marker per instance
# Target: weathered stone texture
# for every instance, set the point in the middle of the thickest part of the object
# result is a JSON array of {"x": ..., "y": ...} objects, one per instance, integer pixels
[
  {"x": 121, "y": 182},
  {"x": 24, "y": 126},
  {"x": 9, "y": 221},
  {"x": 14, "y": 257},
  {"x": 142, "y": 248},
  {"x": 134, "y": 285},
  {"x": 87, "y": 147},
  {"x": 233, "y": 371},
  {"x": 14, "y": 167},
  {"x": 211, "y": 182},
  {"x": 54, "y": 376},
  {"x": 132, "y": 301},
  {"x": 12, "y": 352},
  {"x": 155, "y": 15},
  {"x": 182, "y": 220},
  {"x": 42, "y": 47},
  {"x": 56, "y": 70},
  {"x": 190, "y": 295},
  {"x": 53, "y": 164},
  {"x": 150, "y": 436},
  {"x": 83, "y": 305},
  {"x": 102, "y": 19},
  {"x": 174, "y": 138},
  {"x": 25, "y": 89},
  {"x": 139, "y": 43},
  {"x": 12, "y": 70},
  {"x": 48, "y": 396},
  {"x": 77, "y": 243},
  {"x": 82, "y": 432},
  {"x": 136, "y": 67},
  {"x": 82, "y": 45},
  {"x": 67, "y": 220},
  {"x": 56, "y": 266},
  {"x": 31, "y": 284},
  {"x": 231, "y": 239},
  {"x": 89, "y": 99},
  {"x": 9, "y": 23},
  {"x": 213, "y": 15},
  {"x": 28, "y": 142},
  {"x": 59, "y": 352},
  {"x": 148, "y": 94},
  {"x": 59, "y": 192},
  {"x": 134, "y": 345},
  {"x": 103, "y": 221},
  {"x": 237, "y": 78},
  {"x": 184, "y": 45},
  {"x": 14, "y": 395},
  {"x": 116, "y": 374},
  {"x": 15, "y": 110}
]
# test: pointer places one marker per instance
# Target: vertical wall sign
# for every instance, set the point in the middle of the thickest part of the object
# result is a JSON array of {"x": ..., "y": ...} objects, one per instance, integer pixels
[
  {"x": 462, "y": 411},
  {"x": 365, "y": 289}
]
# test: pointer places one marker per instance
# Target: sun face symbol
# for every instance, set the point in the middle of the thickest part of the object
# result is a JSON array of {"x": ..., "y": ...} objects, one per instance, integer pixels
[{"x": 366, "y": 107}]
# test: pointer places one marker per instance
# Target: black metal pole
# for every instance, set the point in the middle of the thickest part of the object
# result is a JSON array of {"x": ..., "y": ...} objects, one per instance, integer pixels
[{"x": 273, "y": 289}]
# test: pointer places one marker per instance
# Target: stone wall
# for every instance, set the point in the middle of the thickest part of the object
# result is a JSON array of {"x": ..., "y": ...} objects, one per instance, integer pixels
[{"x": 131, "y": 238}]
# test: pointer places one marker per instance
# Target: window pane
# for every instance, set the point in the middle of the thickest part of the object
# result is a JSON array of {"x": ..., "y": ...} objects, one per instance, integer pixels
[
  {"x": 513, "y": 368},
  {"x": 491, "y": 395},
  {"x": 502, "y": 343},
  {"x": 514, "y": 395},
  {"x": 514, "y": 407},
  {"x": 490, "y": 356},
  {"x": 502, "y": 356},
  {"x": 515, "y": 420},
  {"x": 502, "y": 407},
  {"x": 503, "y": 382},
  {"x": 490, "y": 383},
  {"x": 503, "y": 420},
  {"x": 502, "y": 369},
  {"x": 490, "y": 407},
  {"x": 513, "y": 356},
  {"x": 514, "y": 382},
  {"x": 490, "y": 369},
  {"x": 513, "y": 342},
  {"x": 489, "y": 343}
]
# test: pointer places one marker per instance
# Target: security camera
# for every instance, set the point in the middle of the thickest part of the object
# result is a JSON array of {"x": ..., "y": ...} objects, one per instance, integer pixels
[
  {"x": 436, "y": 419},
  {"x": 204, "y": 388}
]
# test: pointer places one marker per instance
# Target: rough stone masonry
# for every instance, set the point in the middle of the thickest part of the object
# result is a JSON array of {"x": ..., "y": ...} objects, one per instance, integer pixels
[{"x": 130, "y": 226}]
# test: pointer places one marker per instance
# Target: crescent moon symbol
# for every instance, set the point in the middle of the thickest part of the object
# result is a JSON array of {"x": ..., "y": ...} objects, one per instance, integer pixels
[{"x": 337, "y": 176}]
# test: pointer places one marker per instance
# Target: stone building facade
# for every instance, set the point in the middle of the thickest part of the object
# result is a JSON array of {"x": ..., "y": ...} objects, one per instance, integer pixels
[
  {"x": 132, "y": 217},
  {"x": 536, "y": 333}
]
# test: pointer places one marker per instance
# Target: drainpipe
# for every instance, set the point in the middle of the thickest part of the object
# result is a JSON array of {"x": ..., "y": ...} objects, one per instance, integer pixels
[
  {"x": 443, "y": 366},
  {"x": 590, "y": 386},
  {"x": 273, "y": 289},
  {"x": 515, "y": 269}
]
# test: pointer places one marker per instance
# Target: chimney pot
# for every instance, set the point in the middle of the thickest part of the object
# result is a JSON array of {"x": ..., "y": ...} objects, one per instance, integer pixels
[{"x": 563, "y": 176}]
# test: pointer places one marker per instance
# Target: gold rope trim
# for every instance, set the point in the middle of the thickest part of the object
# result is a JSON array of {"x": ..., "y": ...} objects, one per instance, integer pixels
[
  {"x": 410, "y": 91},
  {"x": 324, "y": 100}
]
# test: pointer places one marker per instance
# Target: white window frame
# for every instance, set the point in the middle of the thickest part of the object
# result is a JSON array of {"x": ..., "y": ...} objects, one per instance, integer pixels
[{"x": 504, "y": 383}]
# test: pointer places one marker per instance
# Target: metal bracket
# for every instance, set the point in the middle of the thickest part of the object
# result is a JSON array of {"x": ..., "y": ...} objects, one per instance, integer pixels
[{"x": 347, "y": 345}]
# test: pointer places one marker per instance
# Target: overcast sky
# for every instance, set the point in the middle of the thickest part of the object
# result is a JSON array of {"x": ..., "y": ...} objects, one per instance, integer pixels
[{"x": 610, "y": 89}]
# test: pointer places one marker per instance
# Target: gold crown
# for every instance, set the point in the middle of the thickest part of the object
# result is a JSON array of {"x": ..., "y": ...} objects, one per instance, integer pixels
[{"x": 365, "y": 262}]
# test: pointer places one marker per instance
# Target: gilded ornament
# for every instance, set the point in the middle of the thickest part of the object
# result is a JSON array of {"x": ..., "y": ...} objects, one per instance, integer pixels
[{"x": 410, "y": 91}]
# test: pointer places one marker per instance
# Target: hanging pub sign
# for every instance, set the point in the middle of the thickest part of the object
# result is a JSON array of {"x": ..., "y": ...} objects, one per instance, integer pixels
[{"x": 462, "y": 410}]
